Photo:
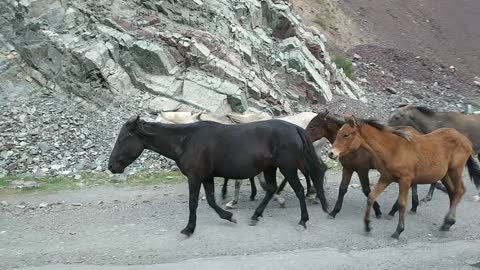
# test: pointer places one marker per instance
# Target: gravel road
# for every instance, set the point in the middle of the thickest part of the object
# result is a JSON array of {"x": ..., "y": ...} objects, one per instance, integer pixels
[{"x": 138, "y": 228}]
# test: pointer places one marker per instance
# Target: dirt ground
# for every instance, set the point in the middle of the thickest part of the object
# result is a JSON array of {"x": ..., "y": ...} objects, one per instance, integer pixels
[
  {"x": 443, "y": 30},
  {"x": 138, "y": 228}
]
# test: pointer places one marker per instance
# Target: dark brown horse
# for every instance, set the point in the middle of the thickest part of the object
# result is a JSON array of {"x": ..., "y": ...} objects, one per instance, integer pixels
[
  {"x": 408, "y": 159},
  {"x": 204, "y": 150},
  {"x": 326, "y": 125},
  {"x": 426, "y": 120}
]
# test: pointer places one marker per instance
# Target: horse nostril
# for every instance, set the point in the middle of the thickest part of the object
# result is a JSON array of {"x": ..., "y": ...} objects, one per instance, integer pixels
[
  {"x": 331, "y": 155},
  {"x": 110, "y": 167}
]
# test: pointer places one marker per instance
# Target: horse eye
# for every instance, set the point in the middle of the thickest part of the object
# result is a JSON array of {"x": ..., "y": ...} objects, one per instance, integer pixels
[{"x": 346, "y": 135}]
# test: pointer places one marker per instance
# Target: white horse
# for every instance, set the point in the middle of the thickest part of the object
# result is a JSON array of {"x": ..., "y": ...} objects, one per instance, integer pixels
[{"x": 301, "y": 119}]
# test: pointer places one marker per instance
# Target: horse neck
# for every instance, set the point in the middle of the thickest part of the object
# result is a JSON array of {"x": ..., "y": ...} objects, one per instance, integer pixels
[
  {"x": 168, "y": 138},
  {"x": 428, "y": 123},
  {"x": 332, "y": 133},
  {"x": 380, "y": 144}
]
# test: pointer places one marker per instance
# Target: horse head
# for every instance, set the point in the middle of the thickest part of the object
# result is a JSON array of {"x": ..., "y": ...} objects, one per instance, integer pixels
[
  {"x": 128, "y": 146},
  {"x": 348, "y": 139}
]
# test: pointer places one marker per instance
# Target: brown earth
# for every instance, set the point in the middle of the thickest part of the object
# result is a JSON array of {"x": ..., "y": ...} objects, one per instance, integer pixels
[{"x": 445, "y": 30}]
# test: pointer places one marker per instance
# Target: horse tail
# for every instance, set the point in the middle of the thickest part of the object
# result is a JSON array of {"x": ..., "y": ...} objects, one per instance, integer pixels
[
  {"x": 474, "y": 171},
  {"x": 315, "y": 167}
]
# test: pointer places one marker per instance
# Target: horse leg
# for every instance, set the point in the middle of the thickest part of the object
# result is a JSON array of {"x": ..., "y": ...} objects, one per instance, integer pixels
[
  {"x": 277, "y": 195},
  {"x": 394, "y": 210},
  {"x": 311, "y": 192},
  {"x": 402, "y": 205},
  {"x": 297, "y": 187},
  {"x": 414, "y": 199},
  {"x": 224, "y": 188},
  {"x": 193, "y": 190},
  {"x": 395, "y": 206},
  {"x": 381, "y": 185},
  {"x": 365, "y": 182},
  {"x": 270, "y": 188},
  {"x": 232, "y": 204},
  {"x": 254, "y": 189},
  {"x": 346, "y": 177},
  {"x": 457, "y": 178},
  {"x": 209, "y": 187},
  {"x": 429, "y": 194}
]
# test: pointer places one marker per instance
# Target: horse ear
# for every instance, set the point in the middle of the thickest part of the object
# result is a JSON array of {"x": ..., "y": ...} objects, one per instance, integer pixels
[
  {"x": 354, "y": 120},
  {"x": 323, "y": 114},
  {"x": 132, "y": 123}
]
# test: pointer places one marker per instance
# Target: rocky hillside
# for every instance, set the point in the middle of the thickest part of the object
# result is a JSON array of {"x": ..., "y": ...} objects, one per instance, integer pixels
[{"x": 73, "y": 71}]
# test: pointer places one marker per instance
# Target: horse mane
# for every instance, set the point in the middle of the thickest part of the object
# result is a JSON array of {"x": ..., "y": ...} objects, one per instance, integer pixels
[
  {"x": 138, "y": 127},
  {"x": 382, "y": 127},
  {"x": 337, "y": 120},
  {"x": 425, "y": 110}
]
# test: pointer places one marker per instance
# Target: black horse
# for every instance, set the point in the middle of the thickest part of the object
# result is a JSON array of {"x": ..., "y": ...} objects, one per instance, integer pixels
[{"x": 204, "y": 150}]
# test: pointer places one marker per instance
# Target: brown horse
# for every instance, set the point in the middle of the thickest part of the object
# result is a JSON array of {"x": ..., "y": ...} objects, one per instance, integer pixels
[
  {"x": 410, "y": 159},
  {"x": 426, "y": 120},
  {"x": 325, "y": 125}
]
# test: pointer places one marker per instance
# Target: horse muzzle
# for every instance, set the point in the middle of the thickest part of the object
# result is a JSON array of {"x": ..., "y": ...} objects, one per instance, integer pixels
[
  {"x": 333, "y": 155},
  {"x": 115, "y": 169}
]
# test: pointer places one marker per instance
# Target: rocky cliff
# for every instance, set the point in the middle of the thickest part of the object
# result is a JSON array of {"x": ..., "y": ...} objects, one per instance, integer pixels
[{"x": 73, "y": 71}]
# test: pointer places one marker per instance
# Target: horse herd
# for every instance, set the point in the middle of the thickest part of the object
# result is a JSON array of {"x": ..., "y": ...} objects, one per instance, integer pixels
[{"x": 417, "y": 146}]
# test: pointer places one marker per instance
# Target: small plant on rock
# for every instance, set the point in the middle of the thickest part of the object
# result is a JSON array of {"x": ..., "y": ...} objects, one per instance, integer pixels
[{"x": 343, "y": 63}]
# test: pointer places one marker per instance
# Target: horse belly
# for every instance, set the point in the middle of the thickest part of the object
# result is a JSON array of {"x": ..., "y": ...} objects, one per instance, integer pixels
[
  {"x": 429, "y": 177},
  {"x": 241, "y": 167}
]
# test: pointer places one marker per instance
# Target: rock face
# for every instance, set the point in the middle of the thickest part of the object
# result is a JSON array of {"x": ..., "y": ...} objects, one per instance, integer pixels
[
  {"x": 212, "y": 55},
  {"x": 73, "y": 71}
]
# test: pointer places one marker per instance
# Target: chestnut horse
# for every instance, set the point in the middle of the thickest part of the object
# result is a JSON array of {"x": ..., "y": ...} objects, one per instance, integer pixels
[
  {"x": 326, "y": 125},
  {"x": 408, "y": 159},
  {"x": 426, "y": 120}
]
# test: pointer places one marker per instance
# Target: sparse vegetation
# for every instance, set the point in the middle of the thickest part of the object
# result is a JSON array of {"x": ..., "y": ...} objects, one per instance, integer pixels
[
  {"x": 9, "y": 184},
  {"x": 343, "y": 63}
]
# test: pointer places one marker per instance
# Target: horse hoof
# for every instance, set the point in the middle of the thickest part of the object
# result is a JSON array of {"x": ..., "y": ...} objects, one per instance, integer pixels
[
  {"x": 396, "y": 235},
  {"x": 331, "y": 215},
  {"x": 252, "y": 198},
  {"x": 379, "y": 216},
  {"x": 412, "y": 212},
  {"x": 445, "y": 228},
  {"x": 314, "y": 201},
  {"x": 233, "y": 220},
  {"x": 187, "y": 232},
  {"x": 231, "y": 205},
  {"x": 301, "y": 228},
  {"x": 253, "y": 222},
  {"x": 367, "y": 227},
  {"x": 389, "y": 217},
  {"x": 280, "y": 201}
]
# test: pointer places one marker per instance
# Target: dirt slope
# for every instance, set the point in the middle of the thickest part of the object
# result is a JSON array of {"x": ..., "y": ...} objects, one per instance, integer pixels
[
  {"x": 440, "y": 29},
  {"x": 443, "y": 29}
]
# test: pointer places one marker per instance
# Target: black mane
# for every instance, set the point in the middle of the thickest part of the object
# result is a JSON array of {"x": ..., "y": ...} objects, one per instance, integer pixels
[{"x": 425, "y": 110}]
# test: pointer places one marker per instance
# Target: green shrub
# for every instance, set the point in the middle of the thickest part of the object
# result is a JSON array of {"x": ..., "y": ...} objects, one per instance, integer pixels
[{"x": 344, "y": 63}]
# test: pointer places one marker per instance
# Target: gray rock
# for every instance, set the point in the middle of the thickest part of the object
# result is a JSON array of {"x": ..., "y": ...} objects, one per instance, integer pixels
[
  {"x": 43, "y": 205},
  {"x": 163, "y": 104},
  {"x": 43, "y": 147}
]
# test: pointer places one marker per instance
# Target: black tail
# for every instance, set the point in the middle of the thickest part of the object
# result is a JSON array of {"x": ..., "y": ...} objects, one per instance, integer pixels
[
  {"x": 315, "y": 167},
  {"x": 474, "y": 171}
]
